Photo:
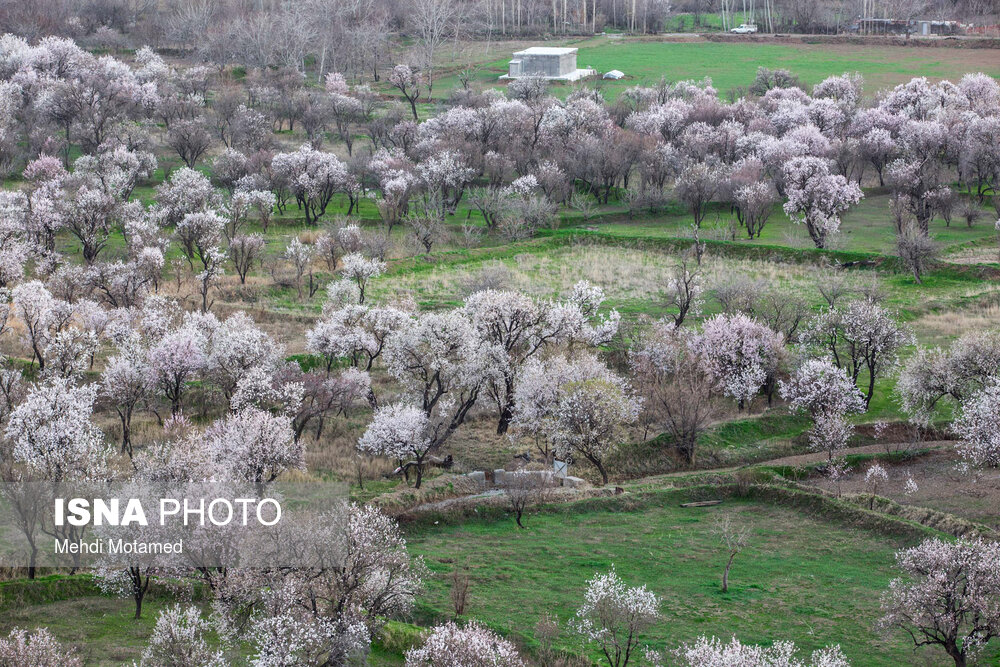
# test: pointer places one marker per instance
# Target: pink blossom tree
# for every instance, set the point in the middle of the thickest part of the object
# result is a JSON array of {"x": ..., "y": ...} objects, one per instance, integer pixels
[
  {"x": 949, "y": 598},
  {"x": 829, "y": 396},
  {"x": 816, "y": 197},
  {"x": 174, "y": 361},
  {"x": 755, "y": 203},
  {"x": 742, "y": 355},
  {"x": 696, "y": 186}
]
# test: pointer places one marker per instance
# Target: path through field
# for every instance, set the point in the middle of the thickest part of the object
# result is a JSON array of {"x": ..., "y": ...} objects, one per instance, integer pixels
[{"x": 494, "y": 496}]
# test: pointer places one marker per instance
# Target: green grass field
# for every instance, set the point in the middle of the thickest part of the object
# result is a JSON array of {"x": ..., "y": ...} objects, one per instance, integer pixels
[
  {"x": 733, "y": 64},
  {"x": 806, "y": 578},
  {"x": 803, "y": 578}
]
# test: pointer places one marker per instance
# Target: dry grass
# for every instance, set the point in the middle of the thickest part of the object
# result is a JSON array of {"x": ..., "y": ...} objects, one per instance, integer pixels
[
  {"x": 978, "y": 254},
  {"x": 945, "y": 325},
  {"x": 625, "y": 273}
]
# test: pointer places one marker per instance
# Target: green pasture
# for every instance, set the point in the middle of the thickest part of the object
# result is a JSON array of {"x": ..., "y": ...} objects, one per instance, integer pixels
[
  {"x": 733, "y": 64},
  {"x": 804, "y": 579}
]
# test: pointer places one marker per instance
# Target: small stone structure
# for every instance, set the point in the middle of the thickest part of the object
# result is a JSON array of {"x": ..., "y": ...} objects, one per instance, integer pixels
[
  {"x": 545, "y": 478},
  {"x": 548, "y": 62},
  {"x": 478, "y": 477}
]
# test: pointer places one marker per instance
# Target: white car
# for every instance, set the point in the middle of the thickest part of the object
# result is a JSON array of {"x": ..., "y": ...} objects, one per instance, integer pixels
[{"x": 745, "y": 29}]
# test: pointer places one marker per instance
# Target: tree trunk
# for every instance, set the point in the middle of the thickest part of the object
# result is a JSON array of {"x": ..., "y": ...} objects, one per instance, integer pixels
[
  {"x": 504, "y": 422},
  {"x": 725, "y": 573},
  {"x": 956, "y": 654},
  {"x": 600, "y": 468}
]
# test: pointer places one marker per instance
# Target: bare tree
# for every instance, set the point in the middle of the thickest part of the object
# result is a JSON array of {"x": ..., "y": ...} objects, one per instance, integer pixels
[
  {"x": 433, "y": 22},
  {"x": 244, "y": 252},
  {"x": 677, "y": 388},
  {"x": 189, "y": 139},
  {"x": 524, "y": 488},
  {"x": 459, "y": 590},
  {"x": 916, "y": 249},
  {"x": 684, "y": 289},
  {"x": 734, "y": 538}
]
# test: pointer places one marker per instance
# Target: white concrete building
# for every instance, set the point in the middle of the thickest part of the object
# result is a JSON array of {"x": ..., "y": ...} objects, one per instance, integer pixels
[{"x": 549, "y": 62}]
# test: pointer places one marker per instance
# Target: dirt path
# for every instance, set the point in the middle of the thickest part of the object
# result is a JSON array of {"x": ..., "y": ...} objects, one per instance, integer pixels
[
  {"x": 494, "y": 495},
  {"x": 800, "y": 459}
]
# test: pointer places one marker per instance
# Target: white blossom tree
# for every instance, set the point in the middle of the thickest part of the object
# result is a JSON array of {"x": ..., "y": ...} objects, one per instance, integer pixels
[
  {"x": 713, "y": 652},
  {"x": 977, "y": 425},
  {"x": 36, "y": 649},
  {"x": 443, "y": 365},
  {"x": 613, "y": 616},
  {"x": 53, "y": 434},
  {"x": 360, "y": 270},
  {"x": 255, "y": 446},
  {"x": 178, "y": 640},
  {"x": 863, "y": 336},
  {"x": 472, "y": 646},
  {"x": 741, "y": 353},
  {"x": 126, "y": 383}
]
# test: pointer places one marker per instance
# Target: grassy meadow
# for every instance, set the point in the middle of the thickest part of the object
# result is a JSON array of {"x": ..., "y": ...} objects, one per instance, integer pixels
[
  {"x": 802, "y": 578},
  {"x": 733, "y": 64}
]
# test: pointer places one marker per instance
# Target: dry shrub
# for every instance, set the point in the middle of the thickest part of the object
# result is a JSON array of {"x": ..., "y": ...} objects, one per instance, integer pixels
[
  {"x": 546, "y": 633},
  {"x": 745, "y": 479},
  {"x": 459, "y": 590},
  {"x": 309, "y": 236}
]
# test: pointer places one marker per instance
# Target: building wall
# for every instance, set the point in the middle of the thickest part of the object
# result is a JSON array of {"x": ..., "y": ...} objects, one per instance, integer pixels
[
  {"x": 546, "y": 65},
  {"x": 567, "y": 64}
]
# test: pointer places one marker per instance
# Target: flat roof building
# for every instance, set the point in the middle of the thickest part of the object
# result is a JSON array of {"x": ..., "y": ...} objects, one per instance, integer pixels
[{"x": 548, "y": 62}]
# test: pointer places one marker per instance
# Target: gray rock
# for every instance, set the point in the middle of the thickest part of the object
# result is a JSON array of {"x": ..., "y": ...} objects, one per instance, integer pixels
[{"x": 573, "y": 482}]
